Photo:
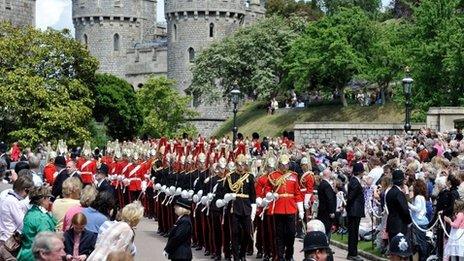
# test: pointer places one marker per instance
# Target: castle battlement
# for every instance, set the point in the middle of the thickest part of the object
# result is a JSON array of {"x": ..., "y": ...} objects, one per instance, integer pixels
[
  {"x": 206, "y": 6},
  {"x": 18, "y": 12}
]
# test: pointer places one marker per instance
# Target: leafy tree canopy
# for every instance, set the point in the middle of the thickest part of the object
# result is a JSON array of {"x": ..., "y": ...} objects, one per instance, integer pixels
[
  {"x": 332, "y": 6},
  {"x": 46, "y": 80},
  {"x": 115, "y": 106},
  {"x": 331, "y": 51},
  {"x": 251, "y": 58},
  {"x": 165, "y": 111},
  {"x": 288, "y": 8}
]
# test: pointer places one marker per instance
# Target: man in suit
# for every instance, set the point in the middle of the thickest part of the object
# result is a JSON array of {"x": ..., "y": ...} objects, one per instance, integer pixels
[
  {"x": 327, "y": 201},
  {"x": 60, "y": 164},
  {"x": 103, "y": 184},
  {"x": 355, "y": 210},
  {"x": 397, "y": 207}
]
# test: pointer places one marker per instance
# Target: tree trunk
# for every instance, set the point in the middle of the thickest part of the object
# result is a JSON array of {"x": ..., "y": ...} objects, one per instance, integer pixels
[
  {"x": 343, "y": 97},
  {"x": 382, "y": 95}
]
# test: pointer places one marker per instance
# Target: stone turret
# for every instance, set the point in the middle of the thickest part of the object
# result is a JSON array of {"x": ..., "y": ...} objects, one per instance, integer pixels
[
  {"x": 18, "y": 12},
  {"x": 110, "y": 27},
  {"x": 192, "y": 25}
]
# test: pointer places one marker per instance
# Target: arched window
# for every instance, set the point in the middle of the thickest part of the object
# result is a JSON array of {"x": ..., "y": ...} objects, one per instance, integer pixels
[
  {"x": 174, "y": 33},
  {"x": 191, "y": 53},
  {"x": 116, "y": 40},
  {"x": 211, "y": 30},
  {"x": 86, "y": 40}
]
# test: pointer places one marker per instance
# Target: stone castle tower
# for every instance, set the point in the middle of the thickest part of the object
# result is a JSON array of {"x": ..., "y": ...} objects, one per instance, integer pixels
[
  {"x": 18, "y": 12},
  {"x": 192, "y": 25},
  {"x": 110, "y": 27}
]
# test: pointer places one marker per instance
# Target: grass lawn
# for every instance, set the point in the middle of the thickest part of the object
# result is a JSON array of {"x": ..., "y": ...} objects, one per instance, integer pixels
[
  {"x": 362, "y": 245},
  {"x": 253, "y": 117}
]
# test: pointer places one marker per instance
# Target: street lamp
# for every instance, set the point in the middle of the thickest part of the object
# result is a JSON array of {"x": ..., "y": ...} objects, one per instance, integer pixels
[
  {"x": 235, "y": 93},
  {"x": 407, "y": 88}
]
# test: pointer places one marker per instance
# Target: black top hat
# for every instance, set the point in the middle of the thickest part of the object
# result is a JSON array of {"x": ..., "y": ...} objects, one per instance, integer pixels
[
  {"x": 400, "y": 246},
  {"x": 397, "y": 177},
  {"x": 315, "y": 240},
  {"x": 60, "y": 161},
  {"x": 358, "y": 168},
  {"x": 185, "y": 203},
  {"x": 103, "y": 169}
]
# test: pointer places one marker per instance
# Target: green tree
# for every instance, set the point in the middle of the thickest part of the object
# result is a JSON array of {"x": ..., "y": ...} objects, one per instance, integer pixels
[
  {"x": 332, "y": 6},
  {"x": 116, "y": 107},
  {"x": 288, "y": 8},
  {"x": 331, "y": 52},
  {"x": 387, "y": 57},
  {"x": 438, "y": 54},
  {"x": 251, "y": 58},
  {"x": 46, "y": 80},
  {"x": 165, "y": 111}
]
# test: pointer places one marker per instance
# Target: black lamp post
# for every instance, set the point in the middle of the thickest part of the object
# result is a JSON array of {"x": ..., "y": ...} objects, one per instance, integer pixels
[
  {"x": 407, "y": 88},
  {"x": 235, "y": 96}
]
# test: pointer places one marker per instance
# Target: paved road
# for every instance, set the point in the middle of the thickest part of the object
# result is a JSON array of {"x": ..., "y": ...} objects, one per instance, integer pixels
[{"x": 150, "y": 246}]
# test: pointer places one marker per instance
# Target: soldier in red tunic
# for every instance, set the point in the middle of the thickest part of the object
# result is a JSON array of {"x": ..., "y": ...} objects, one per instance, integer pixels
[{"x": 290, "y": 201}]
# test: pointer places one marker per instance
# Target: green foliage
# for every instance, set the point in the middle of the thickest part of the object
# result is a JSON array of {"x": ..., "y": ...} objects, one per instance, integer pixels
[
  {"x": 437, "y": 51},
  {"x": 45, "y": 86},
  {"x": 331, "y": 51},
  {"x": 115, "y": 106},
  {"x": 288, "y": 8},
  {"x": 252, "y": 57},
  {"x": 165, "y": 111},
  {"x": 333, "y": 6},
  {"x": 99, "y": 135}
]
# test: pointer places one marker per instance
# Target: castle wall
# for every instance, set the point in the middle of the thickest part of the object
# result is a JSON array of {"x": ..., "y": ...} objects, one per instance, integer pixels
[
  {"x": 18, "y": 12},
  {"x": 143, "y": 63},
  {"x": 189, "y": 31}
]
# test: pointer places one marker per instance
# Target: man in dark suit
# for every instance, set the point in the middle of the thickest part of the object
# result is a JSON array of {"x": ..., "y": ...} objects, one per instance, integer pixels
[
  {"x": 60, "y": 164},
  {"x": 397, "y": 206},
  {"x": 103, "y": 184},
  {"x": 355, "y": 210},
  {"x": 327, "y": 201}
]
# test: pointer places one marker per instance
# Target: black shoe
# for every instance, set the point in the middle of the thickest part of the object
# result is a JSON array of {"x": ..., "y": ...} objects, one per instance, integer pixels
[
  {"x": 259, "y": 255},
  {"x": 217, "y": 258},
  {"x": 166, "y": 235},
  {"x": 289, "y": 259},
  {"x": 355, "y": 258},
  {"x": 194, "y": 245},
  {"x": 207, "y": 253},
  {"x": 199, "y": 247},
  {"x": 213, "y": 255},
  {"x": 250, "y": 253},
  {"x": 300, "y": 235},
  {"x": 266, "y": 258}
]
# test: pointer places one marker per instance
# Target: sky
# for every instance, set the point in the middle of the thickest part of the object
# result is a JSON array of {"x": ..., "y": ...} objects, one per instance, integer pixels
[{"x": 57, "y": 13}]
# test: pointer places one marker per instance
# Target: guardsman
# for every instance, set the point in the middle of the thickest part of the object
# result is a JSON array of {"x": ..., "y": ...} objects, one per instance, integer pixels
[
  {"x": 290, "y": 201},
  {"x": 50, "y": 169},
  {"x": 220, "y": 222},
  {"x": 198, "y": 188},
  {"x": 307, "y": 181},
  {"x": 88, "y": 167},
  {"x": 243, "y": 208}
]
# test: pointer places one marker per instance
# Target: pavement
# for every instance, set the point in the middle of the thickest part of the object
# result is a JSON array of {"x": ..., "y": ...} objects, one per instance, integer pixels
[{"x": 150, "y": 245}]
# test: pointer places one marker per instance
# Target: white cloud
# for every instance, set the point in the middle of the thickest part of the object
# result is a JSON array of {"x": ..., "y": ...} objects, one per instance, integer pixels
[{"x": 53, "y": 13}]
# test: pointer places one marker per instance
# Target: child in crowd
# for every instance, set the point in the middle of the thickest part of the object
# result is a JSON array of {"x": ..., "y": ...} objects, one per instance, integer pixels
[{"x": 455, "y": 246}]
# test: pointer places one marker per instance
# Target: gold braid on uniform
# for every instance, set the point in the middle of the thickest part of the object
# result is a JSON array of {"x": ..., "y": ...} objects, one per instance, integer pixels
[
  {"x": 235, "y": 187},
  {"x": 277, "y": 183},
  {"x": 303, "y": 178}
]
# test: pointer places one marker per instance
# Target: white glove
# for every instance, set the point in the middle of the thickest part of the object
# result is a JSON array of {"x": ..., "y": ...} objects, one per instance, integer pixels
[
  {"x": 307, "y": 198},
  {"x": 253, "y": 212},
  {"x": 144, "y": 185},
  {"x": 259, "y": 201},
  {"x": 300, "y": 210}
]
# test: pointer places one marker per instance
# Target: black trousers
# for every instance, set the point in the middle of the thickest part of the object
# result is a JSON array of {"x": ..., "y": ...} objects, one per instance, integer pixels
[
  {"x": 241, "y": 234},
  {"x": 285, "y": 235},
  {"x": 353, "y": 235}
]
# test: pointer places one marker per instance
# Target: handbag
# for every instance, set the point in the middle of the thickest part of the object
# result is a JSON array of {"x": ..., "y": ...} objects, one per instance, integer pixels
[{"x": 13, "y": 243}]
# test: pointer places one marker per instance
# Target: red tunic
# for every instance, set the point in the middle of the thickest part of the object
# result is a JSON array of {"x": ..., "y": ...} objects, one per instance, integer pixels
[
  {"x": 307, "y": 183},
  {"x": 289, "y": 193},
  {"x": 88, "y": 170},
  {"x": 49, "y": 173}
]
